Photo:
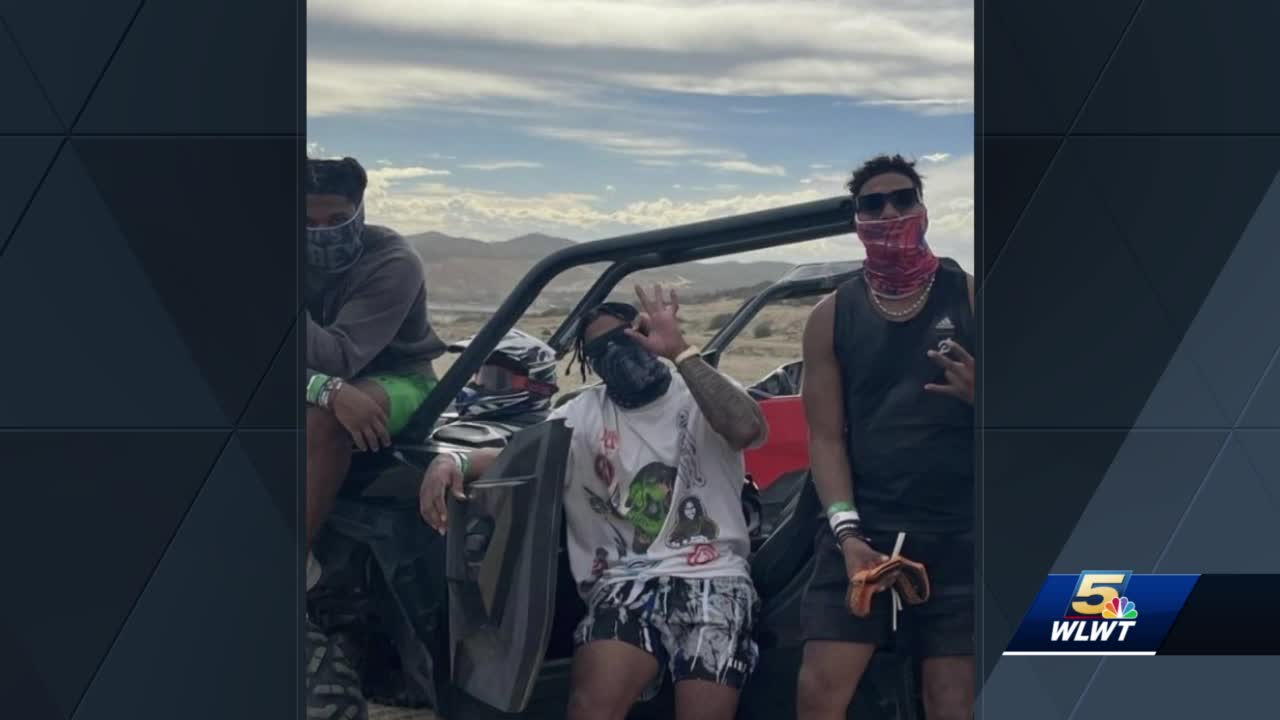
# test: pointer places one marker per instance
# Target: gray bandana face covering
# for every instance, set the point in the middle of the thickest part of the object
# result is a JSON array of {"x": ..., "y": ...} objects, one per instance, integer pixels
[{"x": 335, "y": 248}]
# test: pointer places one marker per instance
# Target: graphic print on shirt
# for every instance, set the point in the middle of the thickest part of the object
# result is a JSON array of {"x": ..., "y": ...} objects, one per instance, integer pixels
[
  {"x": 648, "y": 502},
  {"x": 703, "y": 554},
  {"x": 688, "y": 454},
  {"x": 693, "y": 527},
  {"x": 609, "y": 439},
  {"x": 599, "y": 505},
  {"x": 600, "y": 563},
  {"x": 618, "y": 543},
  {"x": 598, "y": 566}
]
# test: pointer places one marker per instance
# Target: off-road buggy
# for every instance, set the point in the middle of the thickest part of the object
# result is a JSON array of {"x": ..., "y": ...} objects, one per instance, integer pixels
[{"x": 478, "y": 624}]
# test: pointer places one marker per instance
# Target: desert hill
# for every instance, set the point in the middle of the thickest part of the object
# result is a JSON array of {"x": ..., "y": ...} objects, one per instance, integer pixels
[{"x": 464, "y": 271}]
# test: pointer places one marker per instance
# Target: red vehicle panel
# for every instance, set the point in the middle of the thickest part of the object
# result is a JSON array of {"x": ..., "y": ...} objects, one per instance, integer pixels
[{"x": 787, "y": 449}]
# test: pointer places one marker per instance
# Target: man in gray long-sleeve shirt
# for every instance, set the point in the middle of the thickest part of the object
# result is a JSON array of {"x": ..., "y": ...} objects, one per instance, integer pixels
[{"x": 369, "y": 338}]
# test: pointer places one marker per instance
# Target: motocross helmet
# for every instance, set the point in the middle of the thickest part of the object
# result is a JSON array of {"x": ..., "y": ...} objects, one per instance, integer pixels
[{"x": 518, "y": 377}]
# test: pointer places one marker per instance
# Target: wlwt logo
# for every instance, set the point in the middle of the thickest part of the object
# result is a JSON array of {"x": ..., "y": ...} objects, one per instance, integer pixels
[{"x": 1098, "y": 610}]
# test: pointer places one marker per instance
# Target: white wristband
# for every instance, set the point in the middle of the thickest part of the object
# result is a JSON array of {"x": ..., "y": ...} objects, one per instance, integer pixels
[
  {"x": 689, "y": 352},
  {"x": 842, "y": 517}
]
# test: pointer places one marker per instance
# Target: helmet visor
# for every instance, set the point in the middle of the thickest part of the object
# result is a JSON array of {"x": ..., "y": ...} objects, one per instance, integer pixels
[{"x": 496, "y": 378}]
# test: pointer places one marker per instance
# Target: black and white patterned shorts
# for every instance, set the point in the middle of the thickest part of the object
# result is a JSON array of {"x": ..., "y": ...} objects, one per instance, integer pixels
[{"x": 699, "y": 629}]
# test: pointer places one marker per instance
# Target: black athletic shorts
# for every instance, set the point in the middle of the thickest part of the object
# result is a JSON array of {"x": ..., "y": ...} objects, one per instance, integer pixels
[{"x": 941, "y": 626}]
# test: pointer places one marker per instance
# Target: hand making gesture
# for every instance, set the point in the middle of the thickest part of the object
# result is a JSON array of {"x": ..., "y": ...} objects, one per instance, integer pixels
[
  {"x": 658, "y": 329},
  {"x": 958, "y": 365}
]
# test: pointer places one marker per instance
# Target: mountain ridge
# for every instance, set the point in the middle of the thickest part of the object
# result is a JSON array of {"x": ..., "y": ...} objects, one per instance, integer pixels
[{"x": 468, "y": 271}]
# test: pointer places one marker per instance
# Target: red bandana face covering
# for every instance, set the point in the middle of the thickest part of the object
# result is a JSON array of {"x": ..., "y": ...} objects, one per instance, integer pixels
[{"x": 899, "y": 261}]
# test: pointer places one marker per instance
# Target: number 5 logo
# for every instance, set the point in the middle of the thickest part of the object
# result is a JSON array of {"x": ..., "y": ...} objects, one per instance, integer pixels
[{"x": 1095, "y": 589}]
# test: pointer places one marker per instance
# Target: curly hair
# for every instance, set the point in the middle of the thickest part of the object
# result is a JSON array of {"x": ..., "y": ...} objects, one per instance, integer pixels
[{"x": 880, "y": 165}]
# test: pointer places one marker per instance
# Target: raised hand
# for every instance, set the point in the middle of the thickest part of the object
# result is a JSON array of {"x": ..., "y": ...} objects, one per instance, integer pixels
[
  {"x": 959, "y": 371},
  {"x": 658, "y": 328}
]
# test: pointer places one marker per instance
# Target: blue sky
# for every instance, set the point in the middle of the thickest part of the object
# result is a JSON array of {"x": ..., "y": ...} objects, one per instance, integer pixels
[{"x": 592, "y": 118}]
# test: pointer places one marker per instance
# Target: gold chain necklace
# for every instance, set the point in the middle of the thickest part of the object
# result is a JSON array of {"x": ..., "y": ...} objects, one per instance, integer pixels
[{"x": 911, "y": 308}]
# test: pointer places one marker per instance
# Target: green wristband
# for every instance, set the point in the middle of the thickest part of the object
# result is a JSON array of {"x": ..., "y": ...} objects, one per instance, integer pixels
[
  {"x": 464, "y": 462},
  {"x": 840, "y": 506},
  {"x": 314, "y": 387}
]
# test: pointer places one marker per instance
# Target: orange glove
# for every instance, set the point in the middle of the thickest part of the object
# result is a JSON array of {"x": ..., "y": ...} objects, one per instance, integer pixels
[{"x": 908, "y": 577}]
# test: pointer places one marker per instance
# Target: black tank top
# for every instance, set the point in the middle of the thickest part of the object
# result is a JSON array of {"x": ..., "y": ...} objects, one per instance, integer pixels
[{"x": 911, "y": 450}]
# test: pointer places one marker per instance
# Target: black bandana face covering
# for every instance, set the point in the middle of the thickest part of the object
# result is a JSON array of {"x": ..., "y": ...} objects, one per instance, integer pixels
[
  {"x": 336, "y": 248},
  {"x": 632, "y": 375}
]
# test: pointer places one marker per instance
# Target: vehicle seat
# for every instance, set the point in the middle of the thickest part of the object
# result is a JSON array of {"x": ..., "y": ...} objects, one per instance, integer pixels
[
  {"x": 782, "y": 382},
  {"x": 786, "y": 551},
  {"x": 473, "y": 434}
]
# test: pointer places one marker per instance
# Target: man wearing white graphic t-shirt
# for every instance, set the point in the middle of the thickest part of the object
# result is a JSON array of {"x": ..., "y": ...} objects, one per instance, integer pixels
[{"x": 657, "y": 539}]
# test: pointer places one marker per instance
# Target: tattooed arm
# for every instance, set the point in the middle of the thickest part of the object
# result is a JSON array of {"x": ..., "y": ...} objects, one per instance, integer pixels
[{"x": 729, "y": 410}]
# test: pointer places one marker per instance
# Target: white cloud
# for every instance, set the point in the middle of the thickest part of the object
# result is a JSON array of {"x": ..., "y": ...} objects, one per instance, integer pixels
[
  {"x": 394, "y": 174},
  {"x": 834, "y": 180},
  {"x": 936, "y": 157},
  {"x": 941, "y": 34},
  {"x": 501, "y": 165},
  {"x": 343, "y": 87},
  {"x": 316, "y": 151},
  {"x": 610, "y": 188},
  {"x": 744, "y": 166},
  {"x": 412, "y": 207},
  {"x": 889, "y": 83},
  {"x": 665, "y": 212},
  {"x": 913, "y": 55},
  {"x": 819, "y": 166},
  {"x": 646, "y": 147},
  {"x": 926, "y": 105},
  {"x": 382, "y": 181},
  {"x": 657, "y": 151}
]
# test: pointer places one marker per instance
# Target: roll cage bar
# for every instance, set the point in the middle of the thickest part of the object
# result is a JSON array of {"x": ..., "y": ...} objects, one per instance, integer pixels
[
  {"x": 801, "y": 282},
  {"x": 628, "y": 254}
]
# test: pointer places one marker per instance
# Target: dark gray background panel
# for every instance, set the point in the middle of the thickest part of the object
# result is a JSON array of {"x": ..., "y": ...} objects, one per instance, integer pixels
[
  {"x": 150, "y": 465},
  {"x": 1130, "y": 395}
]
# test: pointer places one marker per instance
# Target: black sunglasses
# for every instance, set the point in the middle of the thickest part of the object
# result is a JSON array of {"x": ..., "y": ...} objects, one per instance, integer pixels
[
  {"x": 622, "y": 311},
  {"x": 874, "y": 203},
  {"x": 596, "y": 348}
]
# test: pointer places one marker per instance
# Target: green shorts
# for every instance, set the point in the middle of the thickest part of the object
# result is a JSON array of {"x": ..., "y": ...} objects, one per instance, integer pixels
[{"x": 405, "y": 394}]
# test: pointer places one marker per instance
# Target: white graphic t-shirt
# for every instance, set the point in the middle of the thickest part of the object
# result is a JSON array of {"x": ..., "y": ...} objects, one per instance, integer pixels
[{"x": 652, "y": 491}]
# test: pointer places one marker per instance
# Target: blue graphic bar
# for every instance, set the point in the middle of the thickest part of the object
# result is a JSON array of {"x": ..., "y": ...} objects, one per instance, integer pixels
[{"x": 1102, "y": 612}]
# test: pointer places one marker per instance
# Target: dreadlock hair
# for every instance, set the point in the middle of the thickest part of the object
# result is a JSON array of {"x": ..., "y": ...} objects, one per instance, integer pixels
[{"x": 622, "y": 311}]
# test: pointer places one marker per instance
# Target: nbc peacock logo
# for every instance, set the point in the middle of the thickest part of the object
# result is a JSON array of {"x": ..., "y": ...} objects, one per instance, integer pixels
[{"x": 1120, "y": 608}]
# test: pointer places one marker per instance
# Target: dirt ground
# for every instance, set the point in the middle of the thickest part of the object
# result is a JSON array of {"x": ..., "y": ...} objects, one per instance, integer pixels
[{"x": 771, "y": 340}]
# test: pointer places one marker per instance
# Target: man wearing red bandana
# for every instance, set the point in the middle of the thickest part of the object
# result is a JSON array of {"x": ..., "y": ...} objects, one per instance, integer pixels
[{"x": 888, "y": 392}]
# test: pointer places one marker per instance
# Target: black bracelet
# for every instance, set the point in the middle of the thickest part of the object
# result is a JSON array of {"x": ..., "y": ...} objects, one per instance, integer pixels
[{"x": 847, "y": 530}]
